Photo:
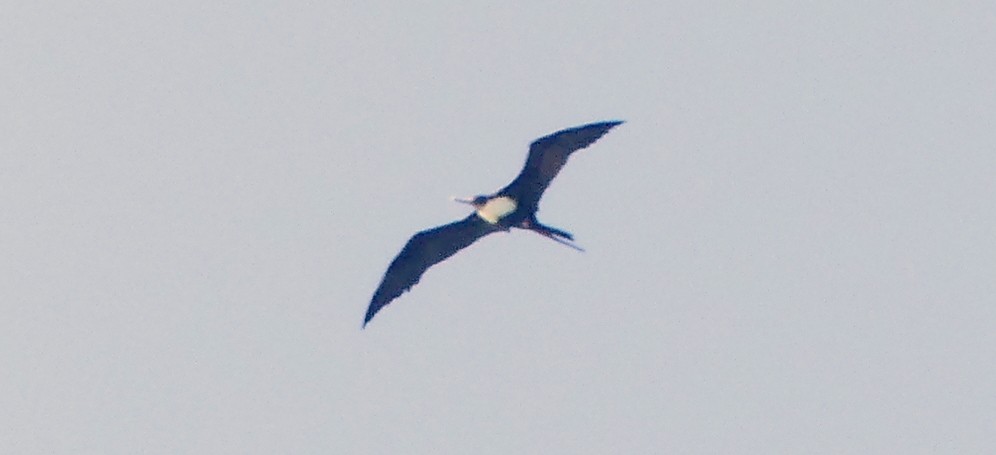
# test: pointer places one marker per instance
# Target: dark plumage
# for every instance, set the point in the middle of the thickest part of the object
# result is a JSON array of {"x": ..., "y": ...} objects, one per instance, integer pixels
[
  {"x": 422, "y": 251},
  {"x": 514, "y": 206},
  {"x": 547, "y": 155}
]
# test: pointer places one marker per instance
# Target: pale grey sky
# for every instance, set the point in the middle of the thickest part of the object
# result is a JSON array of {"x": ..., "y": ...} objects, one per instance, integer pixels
[{"x": 791, "y": 242}]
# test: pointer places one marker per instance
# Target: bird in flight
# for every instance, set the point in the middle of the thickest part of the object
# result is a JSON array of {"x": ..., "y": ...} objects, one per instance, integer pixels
[{"x": 513, "y": 206}]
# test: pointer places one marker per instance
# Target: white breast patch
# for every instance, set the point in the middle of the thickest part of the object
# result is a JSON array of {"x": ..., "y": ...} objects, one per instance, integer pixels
[{"x": 496, "y": 209}]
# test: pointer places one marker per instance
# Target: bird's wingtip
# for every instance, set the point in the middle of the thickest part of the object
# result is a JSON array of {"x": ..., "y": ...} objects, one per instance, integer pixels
[
  {"x": 607, "y": 124},
  {"x": 370, "y": 315}
]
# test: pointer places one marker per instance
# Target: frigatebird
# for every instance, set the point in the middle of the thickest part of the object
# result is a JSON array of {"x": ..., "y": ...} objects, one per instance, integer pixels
[{"x": 513, "y": 206}]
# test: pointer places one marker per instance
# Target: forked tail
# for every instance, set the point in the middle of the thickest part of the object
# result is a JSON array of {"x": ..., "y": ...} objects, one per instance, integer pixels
[{"x": 557, "y": 235}]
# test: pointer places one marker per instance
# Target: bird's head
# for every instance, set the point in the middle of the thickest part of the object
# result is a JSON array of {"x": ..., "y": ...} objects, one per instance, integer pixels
[{"x": 477, "y": 201}]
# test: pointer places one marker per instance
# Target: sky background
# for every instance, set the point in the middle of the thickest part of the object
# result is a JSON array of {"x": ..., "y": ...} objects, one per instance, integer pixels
[{"x": 791, "y": 243}]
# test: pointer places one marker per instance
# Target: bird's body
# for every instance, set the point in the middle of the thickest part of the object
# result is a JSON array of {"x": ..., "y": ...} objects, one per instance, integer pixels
[{"x": 513, "y": 206}]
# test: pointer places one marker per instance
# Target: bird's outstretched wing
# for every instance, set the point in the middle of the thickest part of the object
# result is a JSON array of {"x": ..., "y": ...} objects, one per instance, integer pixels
[
  {"x": 422, "y": 251},
  {"x": 546, "y": 156}
]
